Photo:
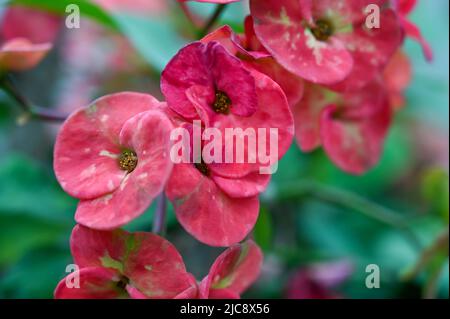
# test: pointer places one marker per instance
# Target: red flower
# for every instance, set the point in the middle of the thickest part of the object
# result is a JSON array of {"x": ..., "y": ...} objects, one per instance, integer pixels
[
  {"x": 114, "y": 157},
  {"x": 327, "y": 41},
  {"x": 208, "y": 68},
  {"x": 350, "y": 126},
  {"x": 118, "y": 264},
  {"x": 232, "y": 272},
  {"x": 27, "y": 37},
  {"x": 217, "y": 202},
  {"x": 250, "y": 49}
]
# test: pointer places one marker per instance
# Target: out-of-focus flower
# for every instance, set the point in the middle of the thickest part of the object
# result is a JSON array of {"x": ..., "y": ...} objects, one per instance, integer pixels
[
  {"x": 26, "y": 36},
  {"x": 327, "y": 41},
  {"x": 319, "y": 281},
  {"x": 118, "y": 264},
  {"x": 351, "y": 126},
  {"x": 114, "y": 157}
]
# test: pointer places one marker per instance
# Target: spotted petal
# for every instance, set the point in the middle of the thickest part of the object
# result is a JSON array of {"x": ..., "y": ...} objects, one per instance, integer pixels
[{"x": 87, "y": 147}]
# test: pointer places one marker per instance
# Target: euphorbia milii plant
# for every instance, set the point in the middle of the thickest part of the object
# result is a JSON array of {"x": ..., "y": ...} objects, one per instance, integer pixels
[
  {"x": 317, "y": 70},
  {"x": 118, "y": 264},
  {"x": 218, "y": 202}
]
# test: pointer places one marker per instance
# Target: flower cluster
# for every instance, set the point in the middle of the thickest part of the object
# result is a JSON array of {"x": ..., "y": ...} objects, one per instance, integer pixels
[
  {"x": 118, "y": 264},
  {"x": 316, "y": 70}
]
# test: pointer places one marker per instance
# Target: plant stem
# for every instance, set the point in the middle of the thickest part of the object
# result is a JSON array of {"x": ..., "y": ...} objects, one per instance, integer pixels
[
  {"x": 159, "y": 220},
  {"x": 29, "y": 110},
  {"x": 343, "y": 198},
  {"x": 187, "y": 12},
  {"x": 212, "y": 20}
]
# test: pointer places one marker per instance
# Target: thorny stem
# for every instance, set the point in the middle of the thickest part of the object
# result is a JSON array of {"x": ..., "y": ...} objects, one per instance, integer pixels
[
  {"x": 30, "y": 110},
  {"x": 159, "y": 220},
  {"x": 212, "y": 20},
  {"x": 343, "y": 198}
]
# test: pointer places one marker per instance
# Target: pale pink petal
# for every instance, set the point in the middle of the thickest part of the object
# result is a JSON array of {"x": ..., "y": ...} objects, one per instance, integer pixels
[
  {"x": 87, "y": 147},
  {"x": 148, "y": 134}
]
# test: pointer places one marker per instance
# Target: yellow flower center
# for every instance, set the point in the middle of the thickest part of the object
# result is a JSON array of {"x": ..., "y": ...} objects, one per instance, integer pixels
[{"x": 128, "y": 160}]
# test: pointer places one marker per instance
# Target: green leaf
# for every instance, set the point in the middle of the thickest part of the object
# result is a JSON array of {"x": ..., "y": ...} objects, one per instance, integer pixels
[
  {"x": 27, "y": 189},
  {"x": 435, "y": 190},
  {"x": 87, "y": 9},
  {"x": 36, "y": 275},
  {"x": 21, "y": 234},
  {"x": 263, "y": 231}
]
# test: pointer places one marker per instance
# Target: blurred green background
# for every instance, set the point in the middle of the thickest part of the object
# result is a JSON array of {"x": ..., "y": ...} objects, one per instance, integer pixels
[{"x": 312, "y": 213}]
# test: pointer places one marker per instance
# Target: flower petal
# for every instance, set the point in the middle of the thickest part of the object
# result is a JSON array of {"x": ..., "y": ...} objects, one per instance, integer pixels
[
  {"x": 371, "y": 50},
  {"x": 188, "y": 68},
  {"x": 355, "y": 145},
  {"x": 307, "y": 116},
  {"x": 251, "y": 185},
  {"x": 206, "y": 212},
  {"x": 35, "y": 25},
  {"x": 95, "y": 283},
  {"x": 273, "y": 114},
  {"x": 148, "y": 134},
  {"x": 279, "y": 26},
  {"x": 235, "y": 270},
  {"x": 152, "y": 264}
]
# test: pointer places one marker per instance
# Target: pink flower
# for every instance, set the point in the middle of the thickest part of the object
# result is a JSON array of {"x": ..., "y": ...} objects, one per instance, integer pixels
[
  {"x": 327, "y": 41},
  {"x": 250, "y": 49},
  {"x": 211, "y": 69},
  {"x": 216, "y": 202},
  {"x": 118, "y": 264},
  {"x": 232, "y": 272},
  {"x": 351, "y": 126},
  {"x": 27, "y": 37},
  {"x": 114, "y": 157},
  {"x": 319, "y": 281}
]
